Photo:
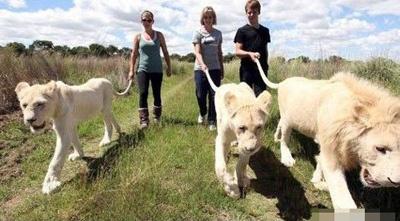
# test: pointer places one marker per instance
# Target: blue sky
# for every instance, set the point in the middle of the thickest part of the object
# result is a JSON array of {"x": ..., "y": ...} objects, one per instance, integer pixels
[{"x": 354, "y": 29}]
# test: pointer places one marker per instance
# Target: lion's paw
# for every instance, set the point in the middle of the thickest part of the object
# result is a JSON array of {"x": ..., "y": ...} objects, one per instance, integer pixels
[
  {"x": 50, "y": 185},
  {"x": 288, "y": 160},
  {"x": 232, "y": 191},
  {"x": 321, "y": 185},
  {"x": 74, "y": 156},
  {"x": 104, "y": 142},
  {"x": 245, "y": 182}
]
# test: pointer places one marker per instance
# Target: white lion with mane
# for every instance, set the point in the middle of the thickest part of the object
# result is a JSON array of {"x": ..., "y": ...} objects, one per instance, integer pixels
[{"x": 356, "y": 123}]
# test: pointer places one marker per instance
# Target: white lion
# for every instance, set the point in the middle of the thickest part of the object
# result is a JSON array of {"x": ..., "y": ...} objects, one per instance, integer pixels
[
  {"x": 355, "y": 123},
  {"x": 240, "y": 116},
  {"x": 66, "y": 106}
]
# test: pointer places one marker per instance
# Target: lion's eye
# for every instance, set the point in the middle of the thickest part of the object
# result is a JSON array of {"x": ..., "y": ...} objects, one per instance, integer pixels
[
  {"x": 242, "y": 129},
  {"x": 40, "y": 104},
  {"x": 24, "y": 105},
  {"x": 381, "y": 150}
]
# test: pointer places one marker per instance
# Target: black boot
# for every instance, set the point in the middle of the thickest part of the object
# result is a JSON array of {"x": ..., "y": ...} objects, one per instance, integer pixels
[
  {"x": 144, "y": 118},
  {"x": 157, "y": 114}
]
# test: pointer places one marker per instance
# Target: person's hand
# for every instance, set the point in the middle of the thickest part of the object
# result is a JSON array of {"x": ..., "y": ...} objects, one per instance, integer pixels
[
  {"x": 204, "y": 67},
  {"x": 169, "y": 71},
  {"x": 254, "y": 56},
  {"x": 131, "y": 75}
]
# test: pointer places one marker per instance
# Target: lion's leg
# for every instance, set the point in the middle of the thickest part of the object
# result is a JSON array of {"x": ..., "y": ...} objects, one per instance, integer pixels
[
  {"x": 318, "y": 177},
  {"x": 336, "y": 180},
  {"x": 286, "y": 156},
  {"x": 115, "y": 124},
  {"x": 78, "y": 152},
  {"x": 52, "y": 181},
  {"x": 221, "y": 152},
  {"x": 108, "y": 128},
  {"x": 243, "y": 180}
]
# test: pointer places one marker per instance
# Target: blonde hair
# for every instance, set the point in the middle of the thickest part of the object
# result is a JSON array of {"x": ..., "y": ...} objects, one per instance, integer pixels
[{"x": 207, "y": 10}]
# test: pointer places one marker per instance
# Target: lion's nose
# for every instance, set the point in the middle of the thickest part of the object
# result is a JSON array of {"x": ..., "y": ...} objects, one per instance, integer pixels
[
  {"x": 251, "y": 149},
  {"x": 31, "y": 120}
]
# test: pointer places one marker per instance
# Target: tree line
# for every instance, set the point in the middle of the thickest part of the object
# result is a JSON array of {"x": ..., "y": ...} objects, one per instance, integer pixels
[
  {"x": 44, "y": 46},
  {"x": 98, "y": 50}
]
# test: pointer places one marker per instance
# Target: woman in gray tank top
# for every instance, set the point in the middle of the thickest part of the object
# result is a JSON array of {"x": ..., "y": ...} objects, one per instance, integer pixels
[
  {"x": 146, "y": 47},
  {"x": 207, "y": 47}
]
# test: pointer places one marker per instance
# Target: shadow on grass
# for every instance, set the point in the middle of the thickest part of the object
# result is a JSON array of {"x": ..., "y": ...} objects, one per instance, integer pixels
[
  {"x": 178, "y": 121},
  {"x": 101, "y": 165},
  {"x": 384, "y": 199},
  {"x": 274, "y": 180},
  {"x": 308, "y": 148},
  {"x": 381, "y": 199}
]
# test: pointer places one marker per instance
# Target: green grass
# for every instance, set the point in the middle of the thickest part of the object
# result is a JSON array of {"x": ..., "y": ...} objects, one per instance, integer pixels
[{"x": 163, "y": 173}]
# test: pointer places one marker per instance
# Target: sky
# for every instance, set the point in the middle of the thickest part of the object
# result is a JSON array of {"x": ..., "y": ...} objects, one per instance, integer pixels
[{"x": 353, "y": 29}]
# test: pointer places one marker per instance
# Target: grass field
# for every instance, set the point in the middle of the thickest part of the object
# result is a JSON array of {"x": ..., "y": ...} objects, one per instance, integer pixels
[{"x": 167, "y": 171}]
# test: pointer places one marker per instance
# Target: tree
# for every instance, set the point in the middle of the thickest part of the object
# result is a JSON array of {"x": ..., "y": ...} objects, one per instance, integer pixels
[
  {"x": 40, "y": 45},
  {"x": 16, "y": 47},
  {"x": 175, "y": 56},
  {"x": 280, "y": 59},
  {"x": 80, "y": 51},
  {"x": 125, "y": 52},
  {"x": 189, "y": 57},
  {"x": 62, "y": 50},
  {"x": 98, "y": 50},
  {"x": 303, "y": 59},
  {"x": 229, "y": 57},
  {"x": 112, "y": 50},
  {"x": 335, "y": 59}
]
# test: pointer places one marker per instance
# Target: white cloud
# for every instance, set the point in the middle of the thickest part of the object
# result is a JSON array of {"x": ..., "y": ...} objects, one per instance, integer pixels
[
  {"x": 297, "y": 27},
  {"x": 15, "y": 3},
  {"x": 373, "y": 7}
]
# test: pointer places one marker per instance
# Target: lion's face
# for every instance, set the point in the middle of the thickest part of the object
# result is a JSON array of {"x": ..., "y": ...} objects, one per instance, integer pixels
[
  {"x": 380, "y": 156},
  {"x": 37, "y": 104},
  {"x": 248, "y": 124},
  {"x": 247, "y": 121}
]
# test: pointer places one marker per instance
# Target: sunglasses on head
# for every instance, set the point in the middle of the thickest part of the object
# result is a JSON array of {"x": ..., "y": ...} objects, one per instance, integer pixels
[{"x": 147, "y": 20}]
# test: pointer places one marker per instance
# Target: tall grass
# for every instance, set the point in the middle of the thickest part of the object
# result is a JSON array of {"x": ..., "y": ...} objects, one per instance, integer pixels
[{"x": 40, "y": 68}]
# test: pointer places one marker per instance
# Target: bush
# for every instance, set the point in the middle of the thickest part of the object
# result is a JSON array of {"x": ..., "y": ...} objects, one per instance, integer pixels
[{"x": 383, "y": 70}]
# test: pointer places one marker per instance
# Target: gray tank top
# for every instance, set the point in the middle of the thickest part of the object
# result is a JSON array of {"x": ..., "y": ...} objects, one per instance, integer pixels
[{"x": 149, "y": 55}]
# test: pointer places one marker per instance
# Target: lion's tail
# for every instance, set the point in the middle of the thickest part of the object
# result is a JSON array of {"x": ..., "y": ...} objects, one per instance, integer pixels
[
  {"x": 265, "y": 79},
  {"x": 213, "y": 86},
  {"x": 125, "y": 91}
]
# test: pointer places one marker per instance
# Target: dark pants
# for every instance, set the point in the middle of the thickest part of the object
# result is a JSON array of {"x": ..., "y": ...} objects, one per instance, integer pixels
[
  {"x": 203, "y": 89},
  {"x": 144, "y": 79},
  {"x": 253, "y": 78}
]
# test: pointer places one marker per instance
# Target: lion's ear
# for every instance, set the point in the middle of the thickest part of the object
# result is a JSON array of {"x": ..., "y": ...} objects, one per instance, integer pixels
[
  {"x": 51, "y": 87},
  {"x": 264, "y": 100},
  {"x": 396, "y": 114},
  {"x": 21, "y": 85},
  {"x": 361, "y": 115},
  {"x": 231, "y": 102}
]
